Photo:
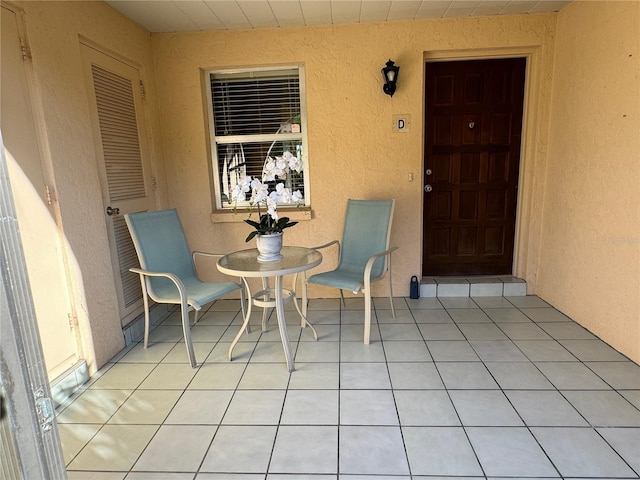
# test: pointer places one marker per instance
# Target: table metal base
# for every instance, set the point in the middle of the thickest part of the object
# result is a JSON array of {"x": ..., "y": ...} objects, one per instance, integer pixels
[{"x": 267, "y": 298}]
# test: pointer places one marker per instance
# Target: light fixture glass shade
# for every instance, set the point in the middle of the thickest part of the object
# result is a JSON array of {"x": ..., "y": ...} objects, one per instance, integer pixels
[{"x": 390, "y": 74}]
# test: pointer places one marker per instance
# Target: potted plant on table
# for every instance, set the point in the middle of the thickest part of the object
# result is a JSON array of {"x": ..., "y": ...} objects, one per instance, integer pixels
[{"x": 269, "y": 227}]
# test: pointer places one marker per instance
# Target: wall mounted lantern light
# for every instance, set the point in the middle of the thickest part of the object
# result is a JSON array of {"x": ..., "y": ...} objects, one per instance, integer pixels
[{"x": 390, "y": 74}]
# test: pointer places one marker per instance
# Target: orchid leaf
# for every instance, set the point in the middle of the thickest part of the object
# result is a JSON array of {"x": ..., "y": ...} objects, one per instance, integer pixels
[{"x": 252, "y": 223}]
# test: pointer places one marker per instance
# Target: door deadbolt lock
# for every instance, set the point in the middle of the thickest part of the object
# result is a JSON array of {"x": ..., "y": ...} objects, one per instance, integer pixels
[
  {"x": 428, "y": 171},
  {"x": 428, "y": 188},
  {"x": 113, "y": 211}
]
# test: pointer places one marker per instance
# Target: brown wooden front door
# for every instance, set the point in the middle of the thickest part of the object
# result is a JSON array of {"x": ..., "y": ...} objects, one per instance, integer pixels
[{"x": 473, "y": 124}]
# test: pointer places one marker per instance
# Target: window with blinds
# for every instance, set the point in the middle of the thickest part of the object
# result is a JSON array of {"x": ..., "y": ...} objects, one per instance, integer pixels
[{"x": 255, "y": 114}]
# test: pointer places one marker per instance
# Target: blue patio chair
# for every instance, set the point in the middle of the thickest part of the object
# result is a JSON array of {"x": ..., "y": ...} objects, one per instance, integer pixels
[
  {"x": 168, "y": 273},
  {"x": 364, "y": 255}
]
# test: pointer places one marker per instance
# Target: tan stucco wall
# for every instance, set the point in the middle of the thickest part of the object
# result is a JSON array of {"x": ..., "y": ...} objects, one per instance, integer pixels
[
  {"x": 353, "y": 151},
  {"x": 590, "y": 242},
  {"x": 62, "y": 110}
]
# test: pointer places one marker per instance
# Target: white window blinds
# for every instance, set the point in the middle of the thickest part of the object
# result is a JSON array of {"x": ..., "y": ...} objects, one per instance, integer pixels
[{"x": 255, "y": 103}]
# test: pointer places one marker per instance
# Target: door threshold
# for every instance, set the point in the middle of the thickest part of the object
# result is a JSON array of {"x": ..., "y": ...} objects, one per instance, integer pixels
[{"x": 473, "y": 286}]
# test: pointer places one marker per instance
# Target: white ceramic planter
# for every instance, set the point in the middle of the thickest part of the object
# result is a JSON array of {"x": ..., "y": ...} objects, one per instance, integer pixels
[{"x": 269, "y": 247}]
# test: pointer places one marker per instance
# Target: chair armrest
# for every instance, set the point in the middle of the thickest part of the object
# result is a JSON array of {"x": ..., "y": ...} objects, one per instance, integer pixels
[
  {"x": 328, "y": 245},
  {"x": 372, "y": 259},
  {"x": 171, "y": 276},
  {"x": 195, "y": 253},
  {"x": 205, "y": 254},
  {"x": 325, "y": 245}
]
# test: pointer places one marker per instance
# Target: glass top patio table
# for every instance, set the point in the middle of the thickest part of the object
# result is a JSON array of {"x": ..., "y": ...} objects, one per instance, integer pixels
[{"x": 245, "y": 264}]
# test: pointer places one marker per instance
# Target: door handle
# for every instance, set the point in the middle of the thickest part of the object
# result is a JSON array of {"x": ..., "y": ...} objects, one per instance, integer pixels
[
  {"x": 428, "y": 188},
  {"x": 113, "y": 211}
]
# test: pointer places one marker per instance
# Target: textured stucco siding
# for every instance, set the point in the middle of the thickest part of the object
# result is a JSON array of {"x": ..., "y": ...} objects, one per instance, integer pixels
[{"x": 590, "y": 241}]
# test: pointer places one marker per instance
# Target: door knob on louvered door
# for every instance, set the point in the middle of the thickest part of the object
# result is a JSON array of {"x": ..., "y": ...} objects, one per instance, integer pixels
[{"x": 428, "y": 188}]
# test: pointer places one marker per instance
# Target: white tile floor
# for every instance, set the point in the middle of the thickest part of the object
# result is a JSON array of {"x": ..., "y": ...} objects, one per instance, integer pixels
[{"x": 473, "y": 388}]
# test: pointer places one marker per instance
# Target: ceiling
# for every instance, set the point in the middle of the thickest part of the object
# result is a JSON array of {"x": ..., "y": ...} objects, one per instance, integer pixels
[{"x": 163, "y": 16}]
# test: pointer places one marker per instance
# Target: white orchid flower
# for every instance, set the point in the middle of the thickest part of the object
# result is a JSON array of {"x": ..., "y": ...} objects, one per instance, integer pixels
[
  {"x": 296, "y": 196},
  {"x": 260, "y": 191},
  {"x": 274, "y": 168},
  {"x": 272, "y": 205},
  {"x": 238, "y": 194},
  {"x": 281, "y": 163},
  {"x": 293, "y": 163},
  {"x": 280, "y": 188},
  {"x": 269, "y": 173},
  {"x": 246, "y": 183}
]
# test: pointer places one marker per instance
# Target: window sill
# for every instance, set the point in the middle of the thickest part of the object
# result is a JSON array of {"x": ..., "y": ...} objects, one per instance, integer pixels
[{"x": 295, "y": 214}]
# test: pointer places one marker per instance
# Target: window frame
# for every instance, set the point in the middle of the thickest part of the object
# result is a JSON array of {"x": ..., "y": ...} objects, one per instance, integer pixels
[{"x": 219, "y": 204}]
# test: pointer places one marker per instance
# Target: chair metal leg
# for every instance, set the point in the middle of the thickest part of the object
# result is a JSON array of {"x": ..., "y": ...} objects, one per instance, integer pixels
[
  {"x": 145, "y": 301},
  {"x": 393, "y": 311},
  {"x": 146, "y": 322},
  {"x": 367, "y": 317},
  {"x": 303, "y": 318},
  {"x": 186, "y": 330}
]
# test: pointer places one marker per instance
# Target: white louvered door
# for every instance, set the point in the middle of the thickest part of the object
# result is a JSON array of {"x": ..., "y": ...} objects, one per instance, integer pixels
[{"x": 119, "y": 133}]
